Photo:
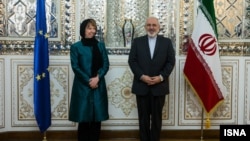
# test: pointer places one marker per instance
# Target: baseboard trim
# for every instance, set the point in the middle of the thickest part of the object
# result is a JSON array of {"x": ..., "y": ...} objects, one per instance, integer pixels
[{"x": 109, "y": 134}]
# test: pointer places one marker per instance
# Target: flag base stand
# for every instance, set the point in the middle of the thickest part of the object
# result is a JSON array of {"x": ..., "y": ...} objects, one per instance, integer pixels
[
  {"x": 202, "y": 118},
  {"x": 44, "y": 137}
]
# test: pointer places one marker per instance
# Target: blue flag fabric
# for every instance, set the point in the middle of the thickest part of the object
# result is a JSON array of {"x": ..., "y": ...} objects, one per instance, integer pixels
[{"x": 42, "y": 108}]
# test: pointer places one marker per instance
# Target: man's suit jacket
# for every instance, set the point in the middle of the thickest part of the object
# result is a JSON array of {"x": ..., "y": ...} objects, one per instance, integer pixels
[{"x": 162, "y": 63}]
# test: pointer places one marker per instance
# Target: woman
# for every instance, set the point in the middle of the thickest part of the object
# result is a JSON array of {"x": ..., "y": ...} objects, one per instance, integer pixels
[{"x": 89, "y": 102}]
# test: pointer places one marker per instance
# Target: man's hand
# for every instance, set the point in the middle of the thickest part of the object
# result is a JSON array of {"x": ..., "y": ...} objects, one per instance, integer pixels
[
  {"x": 151, "y": 80},
  {"x": 155, "y": 80}
]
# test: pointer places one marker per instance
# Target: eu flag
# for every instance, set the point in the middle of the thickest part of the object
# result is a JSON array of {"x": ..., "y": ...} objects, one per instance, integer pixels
[{"x": 42, "y": 108}]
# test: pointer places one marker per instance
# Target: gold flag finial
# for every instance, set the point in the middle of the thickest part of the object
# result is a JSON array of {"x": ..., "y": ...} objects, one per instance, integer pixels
[{"x": 44, "y": 136}]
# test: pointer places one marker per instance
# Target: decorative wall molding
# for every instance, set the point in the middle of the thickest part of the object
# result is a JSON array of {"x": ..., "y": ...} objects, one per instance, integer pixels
[
  {"x": 22, "y": 92},
  {"x": 227, "y": 113},
  {"x": 247, "y": 92},
  {"x": 2, "y": 92},
  {"x": 176, "y": 19}
]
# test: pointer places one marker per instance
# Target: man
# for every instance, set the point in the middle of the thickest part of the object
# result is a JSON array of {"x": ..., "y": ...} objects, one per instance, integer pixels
[{"x": 151, "y": 59}]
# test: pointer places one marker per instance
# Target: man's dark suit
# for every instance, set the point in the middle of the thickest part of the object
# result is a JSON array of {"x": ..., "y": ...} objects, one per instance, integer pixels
[{"x": 162, "y": 63}]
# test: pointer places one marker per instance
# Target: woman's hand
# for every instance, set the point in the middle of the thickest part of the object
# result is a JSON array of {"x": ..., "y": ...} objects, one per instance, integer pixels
[{"x": 93, "y": 82}]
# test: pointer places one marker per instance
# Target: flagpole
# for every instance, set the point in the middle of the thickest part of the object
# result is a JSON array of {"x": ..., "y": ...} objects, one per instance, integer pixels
[
  {"x": 202, "y": 119},
  {"x": 44, "y": 136}
]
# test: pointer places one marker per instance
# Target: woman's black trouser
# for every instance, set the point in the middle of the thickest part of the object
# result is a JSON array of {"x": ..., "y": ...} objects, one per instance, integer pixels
[{"x": 89, "y": 131}]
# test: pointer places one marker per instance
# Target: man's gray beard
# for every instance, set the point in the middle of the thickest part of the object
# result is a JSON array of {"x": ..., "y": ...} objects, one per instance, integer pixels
[{"x": 152, "y": 35}]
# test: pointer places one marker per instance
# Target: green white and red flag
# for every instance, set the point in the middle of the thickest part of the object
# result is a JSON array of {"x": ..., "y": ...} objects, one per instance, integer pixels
[{"x": 202, "y": 69}]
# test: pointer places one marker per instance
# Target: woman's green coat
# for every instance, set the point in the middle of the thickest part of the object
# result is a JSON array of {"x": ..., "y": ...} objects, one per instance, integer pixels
[{"x": 88, "y": 104}]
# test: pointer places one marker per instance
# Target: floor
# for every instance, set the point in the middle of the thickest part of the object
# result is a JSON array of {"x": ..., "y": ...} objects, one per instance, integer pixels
[
  {"x": 121, "y": 139},
  {"x": 164, "y": 140},
  {"x": 190, "y": 135},
  {"x": 134, "y": 140}
]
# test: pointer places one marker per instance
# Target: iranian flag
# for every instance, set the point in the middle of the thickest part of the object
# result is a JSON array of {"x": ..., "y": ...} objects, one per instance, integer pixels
[{"x": 202, "y": 68}]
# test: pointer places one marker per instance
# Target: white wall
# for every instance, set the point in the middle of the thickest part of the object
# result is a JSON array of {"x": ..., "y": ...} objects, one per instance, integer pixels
[{"x": 182, "y": 109}]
